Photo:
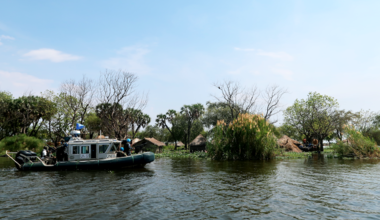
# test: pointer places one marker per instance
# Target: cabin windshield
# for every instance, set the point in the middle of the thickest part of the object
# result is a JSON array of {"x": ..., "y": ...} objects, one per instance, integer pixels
[{"x": 113, "y": 147}]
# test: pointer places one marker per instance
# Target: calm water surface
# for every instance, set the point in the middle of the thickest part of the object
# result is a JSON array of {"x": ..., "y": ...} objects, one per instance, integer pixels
[{"x": 315, "y": 188}]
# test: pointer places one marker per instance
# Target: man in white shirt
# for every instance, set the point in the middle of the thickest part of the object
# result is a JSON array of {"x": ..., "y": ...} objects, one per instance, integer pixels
[{"x": 44, "y": 153}]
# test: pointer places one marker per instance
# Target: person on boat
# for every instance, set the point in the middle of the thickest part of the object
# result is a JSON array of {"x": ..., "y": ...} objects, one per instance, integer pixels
[
  {"x": 127, "y": 147},
  {"x": 44, "y": 153}
]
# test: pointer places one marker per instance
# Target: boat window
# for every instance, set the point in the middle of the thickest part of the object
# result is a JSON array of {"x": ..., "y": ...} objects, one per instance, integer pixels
[
  {"x": 103, "y": 149},
  {"x": 113, "y": 148},
  {"x": 75, "y": 149},
  {"x": 85, "y": 149}
]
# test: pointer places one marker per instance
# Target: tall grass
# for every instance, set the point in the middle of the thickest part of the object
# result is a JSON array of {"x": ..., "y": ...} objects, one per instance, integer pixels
[
  {"x": 21, "y": 142},
  {"x": 358, "y": 145},
  {"x": 245, "y": 138},
  {"x": 182, "y": 154}
]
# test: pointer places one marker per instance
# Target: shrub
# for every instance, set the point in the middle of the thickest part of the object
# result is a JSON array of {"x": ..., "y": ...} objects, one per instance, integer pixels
[
  {"x": 357, "y": 145},
  {"x": 245, "y": 138},
  {"x": 21, "y": 142}
]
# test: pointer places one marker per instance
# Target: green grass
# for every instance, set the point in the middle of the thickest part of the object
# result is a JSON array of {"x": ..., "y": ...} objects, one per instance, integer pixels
[
  {"x": 293, "y": 155},
  {"x": 181, "y": 154},
  {"x": 168, "y": 151}
]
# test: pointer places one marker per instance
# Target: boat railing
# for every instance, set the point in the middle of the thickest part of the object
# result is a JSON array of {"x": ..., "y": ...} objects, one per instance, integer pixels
[
  {"x": 27, "y": 157},
  {"x": 7, "y": 153}
]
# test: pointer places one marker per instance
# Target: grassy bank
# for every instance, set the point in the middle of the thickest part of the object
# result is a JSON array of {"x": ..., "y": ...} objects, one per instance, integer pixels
[
  {"x": 169, "y": 151},
  {"x": 181, "y": 154}
]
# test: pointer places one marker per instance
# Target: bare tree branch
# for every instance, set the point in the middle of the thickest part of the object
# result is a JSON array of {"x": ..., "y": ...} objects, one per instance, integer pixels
[
  {"x": 116, "y": 94},
  {"x": 78, "y": 97},
  {"x": 238, "y": 99},
  {"x": 272, "y": 96}
]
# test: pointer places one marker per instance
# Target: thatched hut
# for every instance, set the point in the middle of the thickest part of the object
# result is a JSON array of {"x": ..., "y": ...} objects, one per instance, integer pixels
[
  {"x": 135, "y": 140},
  {"x": 198, "y": 144},
  {"x": 289, "y": 144},
  {"x": 148, "y": 144},
  {"x": 100, "y": 137},
  {"x": 180, "y": 144}
]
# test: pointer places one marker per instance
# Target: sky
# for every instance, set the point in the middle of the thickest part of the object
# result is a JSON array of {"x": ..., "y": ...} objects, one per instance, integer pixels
[{"x": 179, "y": 49}]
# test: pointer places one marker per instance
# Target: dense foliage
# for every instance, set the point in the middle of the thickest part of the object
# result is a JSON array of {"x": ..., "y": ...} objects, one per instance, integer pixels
[
  {"x": 356, "y": 145},
  {"x": 314, "y": 117},
  {"x": 247, "y": 137},
  {"x": 21, "y": 141}
]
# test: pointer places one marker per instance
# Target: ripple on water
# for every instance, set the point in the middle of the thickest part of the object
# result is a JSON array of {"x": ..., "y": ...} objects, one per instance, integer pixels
[{"x": 201, "y": 189}]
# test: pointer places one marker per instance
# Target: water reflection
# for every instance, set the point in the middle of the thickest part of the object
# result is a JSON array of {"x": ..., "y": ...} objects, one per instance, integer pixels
[{"x": 314, "y": 188}]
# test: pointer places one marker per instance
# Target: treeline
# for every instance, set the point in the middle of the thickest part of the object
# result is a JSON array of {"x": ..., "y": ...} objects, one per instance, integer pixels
[
  {"x": 238, "y": 122},
  {"x": 112, "y": 105},
  {"x": 319, "y": 117}
]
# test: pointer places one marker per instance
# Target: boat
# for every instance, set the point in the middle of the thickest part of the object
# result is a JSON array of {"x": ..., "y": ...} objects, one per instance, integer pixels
[{"x": 79, "y": 154}]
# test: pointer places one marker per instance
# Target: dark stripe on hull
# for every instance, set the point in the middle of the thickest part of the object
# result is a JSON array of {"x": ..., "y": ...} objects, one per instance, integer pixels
[{"x": 118, "y": 163}]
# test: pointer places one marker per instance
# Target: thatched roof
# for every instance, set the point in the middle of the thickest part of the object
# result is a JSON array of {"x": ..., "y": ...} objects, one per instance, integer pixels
[
  {"x": 199, "y": 140},
  {"x": 151, "y": 140},
  {"x": 135, "y": 140},
  {"x": 100, "y": 137},
  {"x": 180, "y": 144},
  {"x": 289, "y": 144}
]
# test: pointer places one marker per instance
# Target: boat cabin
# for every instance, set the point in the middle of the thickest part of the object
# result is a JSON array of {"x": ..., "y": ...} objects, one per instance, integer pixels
[{"x": 79, "y": 149}]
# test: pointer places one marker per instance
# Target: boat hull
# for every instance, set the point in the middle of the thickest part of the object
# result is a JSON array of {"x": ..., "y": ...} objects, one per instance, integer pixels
[{"x": 117, "y": 163}]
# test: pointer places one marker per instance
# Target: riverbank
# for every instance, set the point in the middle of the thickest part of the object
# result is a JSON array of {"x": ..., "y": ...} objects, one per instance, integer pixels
[{"x": 181, "y": 153}]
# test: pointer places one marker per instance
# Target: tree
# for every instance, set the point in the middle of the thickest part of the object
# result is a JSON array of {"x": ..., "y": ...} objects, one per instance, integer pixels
[
  {"x": 92, "y": 123},
  {"x": 215, "y": 112},
  {"x": 191, "y": 114},
  {"x": 173, "y": 122},
  {"x": 60, "y": 123},
  {"x": 238, "y": 99},
  {"x": 364, "y": 121},
  {"x": 138, "y": 120},
  {"x": 4, "y": 95},
  {"x": 290, "y": 131},
  {"x": 114, "y": 119},
  {"x": 314, "y": 117},
  {"x": 25, "y": 115},
  {"x": 156, "y": 132},
  {"x": 343, "y": 118},
  {"x": 117, "y": 92},
  {"x": 272, "y": 96},
  {"x": 78, "y": 97}
]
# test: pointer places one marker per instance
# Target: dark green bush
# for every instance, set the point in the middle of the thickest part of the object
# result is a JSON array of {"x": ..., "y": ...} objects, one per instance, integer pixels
[{"x": 21, "y": 142}]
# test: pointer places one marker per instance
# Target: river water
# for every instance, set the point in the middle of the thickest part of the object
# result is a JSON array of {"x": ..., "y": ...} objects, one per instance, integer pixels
[{"x": 314, "y": 188}]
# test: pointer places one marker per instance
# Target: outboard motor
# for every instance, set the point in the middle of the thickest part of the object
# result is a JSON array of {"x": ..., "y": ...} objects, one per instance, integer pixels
[{"x": 27, "y": 153}]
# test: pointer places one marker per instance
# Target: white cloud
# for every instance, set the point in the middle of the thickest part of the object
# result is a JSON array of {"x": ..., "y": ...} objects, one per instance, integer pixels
[
  {"x": 131, "y": 59},
  {"x": 19, "y": 83},
  {"x": 277, "y": 55},
  {"x": 50, "y": 54},
  {"x": 5, "y": 37}
]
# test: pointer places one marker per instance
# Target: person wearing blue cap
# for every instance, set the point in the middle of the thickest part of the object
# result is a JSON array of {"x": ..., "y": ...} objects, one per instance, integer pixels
[{"x": 127, "y": 147}]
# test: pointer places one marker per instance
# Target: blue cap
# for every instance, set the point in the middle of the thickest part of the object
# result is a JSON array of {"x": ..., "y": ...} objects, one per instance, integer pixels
[{"x": 128, "y": 140}]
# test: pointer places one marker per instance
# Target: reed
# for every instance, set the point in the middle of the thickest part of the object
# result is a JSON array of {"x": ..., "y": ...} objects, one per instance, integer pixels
[{"x": 245, "y": 138}]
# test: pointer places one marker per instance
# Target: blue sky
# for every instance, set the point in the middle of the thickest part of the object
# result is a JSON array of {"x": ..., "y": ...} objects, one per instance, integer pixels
[{"x": 180, "y": 48}]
